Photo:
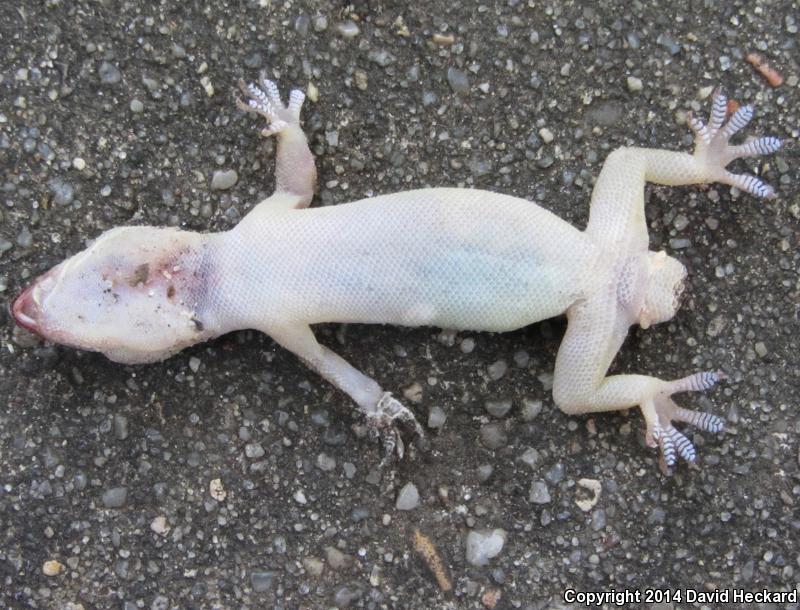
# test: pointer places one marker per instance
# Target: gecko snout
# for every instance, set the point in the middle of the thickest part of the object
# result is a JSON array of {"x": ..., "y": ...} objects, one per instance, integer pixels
[{"x": 26, "y": 308}]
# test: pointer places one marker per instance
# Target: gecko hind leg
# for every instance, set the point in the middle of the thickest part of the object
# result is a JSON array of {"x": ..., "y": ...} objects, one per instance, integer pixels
[
  {"x": 713, "y": 148},
  {"x": 661, "y": 411}
]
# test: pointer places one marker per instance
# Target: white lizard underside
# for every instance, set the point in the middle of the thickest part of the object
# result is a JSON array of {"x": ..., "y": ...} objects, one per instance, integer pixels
[{"x": 455, "y": 258}]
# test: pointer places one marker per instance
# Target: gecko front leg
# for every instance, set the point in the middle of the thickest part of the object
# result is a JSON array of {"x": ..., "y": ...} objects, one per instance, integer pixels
[
  {"x": 295, "y": 172},
  {"x": 381, "y": 410}
]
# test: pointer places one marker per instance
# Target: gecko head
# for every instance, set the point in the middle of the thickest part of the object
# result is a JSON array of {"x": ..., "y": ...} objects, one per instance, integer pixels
[
  {"x": 665, "y": 287},
  {"x": 133, "y": 295}
]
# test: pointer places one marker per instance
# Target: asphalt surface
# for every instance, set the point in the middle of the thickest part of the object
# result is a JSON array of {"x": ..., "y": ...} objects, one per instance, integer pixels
[{"x": 230, "y": 476}]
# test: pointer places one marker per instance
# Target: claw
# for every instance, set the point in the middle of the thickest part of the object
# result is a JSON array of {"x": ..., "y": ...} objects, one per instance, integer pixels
[{"x": 382, "y": 424}]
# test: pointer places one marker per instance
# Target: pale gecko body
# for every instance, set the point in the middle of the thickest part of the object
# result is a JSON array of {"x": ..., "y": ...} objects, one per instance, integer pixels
[{"x": 459, "y": 259}]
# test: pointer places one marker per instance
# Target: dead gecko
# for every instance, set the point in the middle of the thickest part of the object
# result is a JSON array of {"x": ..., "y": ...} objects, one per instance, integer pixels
[{"x": 459, "y": 259}]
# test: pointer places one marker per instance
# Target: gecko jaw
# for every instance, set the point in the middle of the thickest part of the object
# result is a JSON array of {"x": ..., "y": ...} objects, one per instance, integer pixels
[
  {"x": 27, "y": 307},
  {"x": 25, "y": 310}
]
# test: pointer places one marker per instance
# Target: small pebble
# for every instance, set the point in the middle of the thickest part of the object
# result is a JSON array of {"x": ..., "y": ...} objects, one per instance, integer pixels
[
  {"x": 556, "y": 473},
  {"x": 665, "y": 41},
  {"x": 24, "y": 238},
  {"x": 497, "y": 370},
  {"x": 413, "y": 392},
  {"x": 436, "y": 417},
  {"x": 485, "y": 472},
  {"x": 52, "y": 568},
  {"x": 301, "y": 25},
  {"x": 498, "y": 408},
  {"x": 546, "y": 379},
  {"x": 336, "y": 559},
  {"x": 159, "y": 524},
  {"x": 115, "y": 497},
  {"x": 530, "y": 457},
  {"x": 459, "y": 82},
  {"x": 137, "y": 106},
  {"x": 522, "y": 359},
  {"x": 634, "y": 84},
  {"x": 546, "y": 135},
  {"x": 313, "y": 565},
  {"x": 534, "y": 142},
  {"x": 347, "y": 29},
  {"x": 679, "y": 243},
  {"x": 483, "y": 545},
  {"x": 493, "y": 436},
  {"x": 467, "y": 345},
  {"x": 262, "y": 580},
  {"x": 680, "y": 222},
  {"x": 382, "y": 57},
  {"x": 539, "y": 493},
  {"x": 109, "y": 74},
  {"x": 120, "y": 427},
  {"x": 347, "y": 595},
  {"x": 530, "y": 409},
  {"x": 224, "y": 179},
  {"x": 254, "y": 450},
  {"x": 325, "y": 462},
  {"x": 320, "y": 23},
  {"x": 63, "y": 192},
  {"x": 408, "y": 498}
]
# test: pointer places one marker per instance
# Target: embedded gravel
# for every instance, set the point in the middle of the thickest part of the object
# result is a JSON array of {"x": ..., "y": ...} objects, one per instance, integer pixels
[{"x": 230, "y": 476}]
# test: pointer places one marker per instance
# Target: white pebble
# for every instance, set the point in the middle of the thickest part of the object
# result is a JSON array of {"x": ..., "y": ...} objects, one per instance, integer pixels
[
  {"x": 634, "y": 84},
  {"x": 483, "y": 545}
]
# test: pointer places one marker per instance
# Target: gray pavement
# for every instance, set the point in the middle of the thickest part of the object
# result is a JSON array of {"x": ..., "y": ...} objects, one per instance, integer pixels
[{"x": 230, "y": 476}]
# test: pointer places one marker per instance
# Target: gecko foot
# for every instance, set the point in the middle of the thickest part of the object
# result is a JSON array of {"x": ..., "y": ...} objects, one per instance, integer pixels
[
  {"x": 661, "y": 411},
  {"x": 265, "y": 100},
  {"x": 713, "y": 148},
  {"x": 382, "y": 424}
]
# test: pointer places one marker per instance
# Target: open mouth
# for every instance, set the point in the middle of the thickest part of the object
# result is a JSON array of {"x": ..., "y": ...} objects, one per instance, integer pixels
[{"x": 26, "y": 308}]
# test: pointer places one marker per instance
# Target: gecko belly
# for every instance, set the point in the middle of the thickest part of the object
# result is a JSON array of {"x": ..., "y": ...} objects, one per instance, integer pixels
[{"x": 462, "y": 259}]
